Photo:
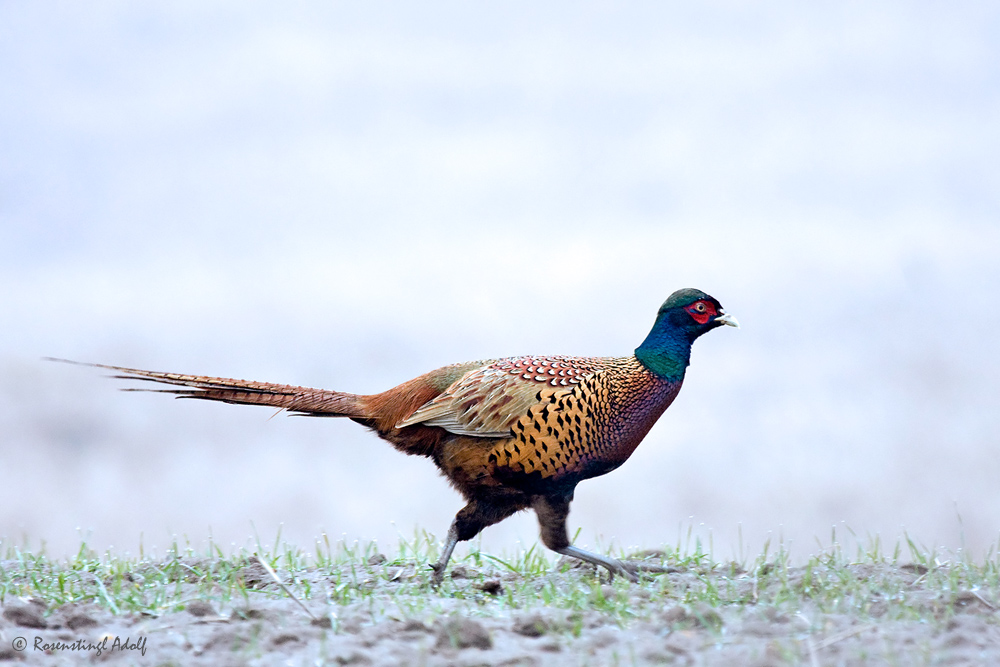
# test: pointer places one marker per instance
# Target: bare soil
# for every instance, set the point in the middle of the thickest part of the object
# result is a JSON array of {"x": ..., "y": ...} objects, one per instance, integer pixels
[{"x": 473, "y": 621}]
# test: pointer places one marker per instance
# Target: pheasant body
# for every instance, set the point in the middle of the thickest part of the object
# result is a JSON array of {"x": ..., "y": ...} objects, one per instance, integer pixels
[
  {"x": 508, "y": 433},
  {"x": 584, "y": 431}
]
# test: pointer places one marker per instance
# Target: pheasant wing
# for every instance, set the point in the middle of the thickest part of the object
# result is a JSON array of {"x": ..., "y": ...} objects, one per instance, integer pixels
[{"x": 488, "y": 401}]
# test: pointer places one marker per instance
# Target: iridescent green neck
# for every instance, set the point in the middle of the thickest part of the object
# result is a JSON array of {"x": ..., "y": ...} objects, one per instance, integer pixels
[
  {"x": 667, "y": 362},
  {"x": 668, "y": 367},
  {"x": 667, "y": 356}
]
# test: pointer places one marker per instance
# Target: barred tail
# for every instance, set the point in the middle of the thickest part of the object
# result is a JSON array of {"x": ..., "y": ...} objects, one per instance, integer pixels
[{"x": 298, "y": 400}]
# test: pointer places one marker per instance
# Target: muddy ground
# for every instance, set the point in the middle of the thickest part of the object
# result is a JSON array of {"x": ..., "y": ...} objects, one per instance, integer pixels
[{"x": 475, "y": 620}]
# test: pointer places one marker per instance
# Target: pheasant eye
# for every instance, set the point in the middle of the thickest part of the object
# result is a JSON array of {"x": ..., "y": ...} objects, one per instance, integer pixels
[{"x": 701, "y": 311}]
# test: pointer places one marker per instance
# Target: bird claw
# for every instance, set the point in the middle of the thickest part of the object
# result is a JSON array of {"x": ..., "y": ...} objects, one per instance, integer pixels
[
  {"x": 648, "y": 568},
  {"x": 624, "y": 569},
  {"x": 631, "y": 570},
  {"x": 614, "y": 566}
]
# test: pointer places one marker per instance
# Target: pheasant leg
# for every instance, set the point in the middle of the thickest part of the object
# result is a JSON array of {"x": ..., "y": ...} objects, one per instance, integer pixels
[
  {"x": 470, "y": 521},
  {"x": 552, "y": 512},
  {"x": 442, "y": 562}
]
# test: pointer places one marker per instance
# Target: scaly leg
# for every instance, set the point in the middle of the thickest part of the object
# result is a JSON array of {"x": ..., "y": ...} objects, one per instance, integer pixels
[
  {"x": 552, "y": 512},
  {"x": 468, "y": 523},
  {"x": 442, "y": 562}
]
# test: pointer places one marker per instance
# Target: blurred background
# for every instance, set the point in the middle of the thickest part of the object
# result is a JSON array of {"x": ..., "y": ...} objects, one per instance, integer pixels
[{"x": 347, "y": 195}]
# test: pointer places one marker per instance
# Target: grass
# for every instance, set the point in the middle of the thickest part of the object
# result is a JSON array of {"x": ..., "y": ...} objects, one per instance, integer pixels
[{"x": 907, "y": 583}]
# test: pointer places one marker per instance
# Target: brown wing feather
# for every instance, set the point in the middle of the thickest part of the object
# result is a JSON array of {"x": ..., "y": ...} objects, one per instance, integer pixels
[{"x": 487, "y": 401}]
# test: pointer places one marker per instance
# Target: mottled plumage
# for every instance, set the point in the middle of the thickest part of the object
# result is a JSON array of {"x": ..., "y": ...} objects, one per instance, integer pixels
[{"x": 508, "y": 433}]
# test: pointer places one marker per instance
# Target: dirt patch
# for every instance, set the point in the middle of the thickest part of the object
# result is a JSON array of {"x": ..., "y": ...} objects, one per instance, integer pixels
[{"x": 886, "y": 614}]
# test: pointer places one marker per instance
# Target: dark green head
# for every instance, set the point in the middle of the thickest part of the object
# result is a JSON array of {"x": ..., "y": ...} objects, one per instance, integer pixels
[{"x": 685, "y": 315}]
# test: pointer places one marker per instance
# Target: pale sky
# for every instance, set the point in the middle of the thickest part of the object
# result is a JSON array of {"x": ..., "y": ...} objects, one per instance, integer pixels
[{"x": 347, "y": 196}]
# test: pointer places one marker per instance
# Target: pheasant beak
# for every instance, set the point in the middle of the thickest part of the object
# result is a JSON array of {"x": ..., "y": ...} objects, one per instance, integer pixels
[{"x": 726, "y": 318}]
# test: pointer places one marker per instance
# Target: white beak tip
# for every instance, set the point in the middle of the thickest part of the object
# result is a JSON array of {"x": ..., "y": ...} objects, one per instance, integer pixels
[{"x": 726, "y": 318}]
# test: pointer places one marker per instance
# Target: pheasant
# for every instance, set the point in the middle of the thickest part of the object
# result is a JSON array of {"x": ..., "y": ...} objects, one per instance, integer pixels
[{"x": 511, "y": 433}]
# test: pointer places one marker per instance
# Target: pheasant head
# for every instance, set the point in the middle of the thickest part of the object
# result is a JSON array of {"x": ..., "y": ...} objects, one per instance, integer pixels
[{"x": 685, "y": 315}]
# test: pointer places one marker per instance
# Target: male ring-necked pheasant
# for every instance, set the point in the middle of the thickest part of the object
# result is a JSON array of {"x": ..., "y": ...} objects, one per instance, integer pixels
[{"x": 509, "y": 433}]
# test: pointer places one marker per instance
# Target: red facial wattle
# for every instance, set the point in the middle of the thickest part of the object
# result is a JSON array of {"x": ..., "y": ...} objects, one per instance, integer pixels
[{"x": 702, "y": 311}]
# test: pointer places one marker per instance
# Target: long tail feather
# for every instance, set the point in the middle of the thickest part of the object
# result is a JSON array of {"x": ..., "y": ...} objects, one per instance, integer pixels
[{"x": 298, "y": 400}]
